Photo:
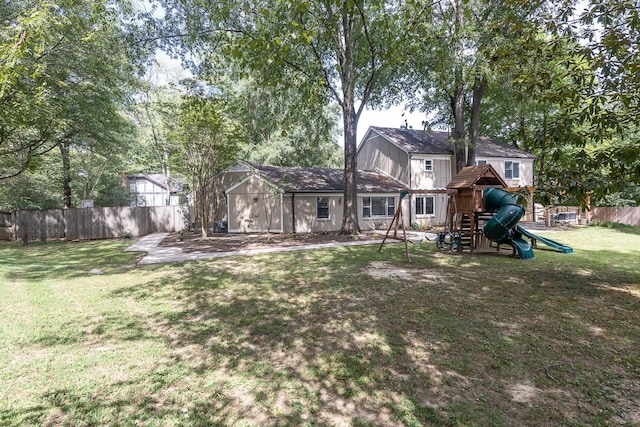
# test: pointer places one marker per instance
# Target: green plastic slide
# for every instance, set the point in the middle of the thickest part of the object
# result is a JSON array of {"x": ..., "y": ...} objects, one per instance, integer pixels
[
  {"x": 551, "y": 243},
  {"x": 522, "y": 247},
  {"x": 503, "y": 228}
]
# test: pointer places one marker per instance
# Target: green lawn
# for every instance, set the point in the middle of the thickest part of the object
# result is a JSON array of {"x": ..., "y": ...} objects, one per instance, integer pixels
[{"x": 335, "y": 337}]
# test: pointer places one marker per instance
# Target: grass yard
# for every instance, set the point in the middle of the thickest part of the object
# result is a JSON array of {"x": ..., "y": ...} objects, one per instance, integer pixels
[{"x": 334, "y": 337}]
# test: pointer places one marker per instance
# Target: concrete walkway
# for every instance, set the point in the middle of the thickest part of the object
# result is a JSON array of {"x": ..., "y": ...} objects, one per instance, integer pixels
[{"x": 158, "y": 255}]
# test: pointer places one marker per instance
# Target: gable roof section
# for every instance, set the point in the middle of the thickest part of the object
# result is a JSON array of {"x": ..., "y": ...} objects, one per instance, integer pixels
[
  {"x": 472, "y": 176},
  {"x": 250, "y": 177},
  {"x": 325, "y": 180},
  {"x": 414, "y": 141},
  {"x": 156, "y": 178}
]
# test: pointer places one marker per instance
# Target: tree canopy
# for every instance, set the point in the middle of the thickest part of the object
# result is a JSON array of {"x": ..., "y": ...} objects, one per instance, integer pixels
[
  {"x": 58, "y": 91},
  {"x": 559, "y": 80},
  {"x": 207, "y": 139},
  {"x": 341, "y": 51}
]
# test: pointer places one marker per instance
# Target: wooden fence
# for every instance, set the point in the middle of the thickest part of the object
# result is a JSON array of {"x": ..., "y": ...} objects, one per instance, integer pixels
[
  {"x": 92, "y": 223},
  {"x": 630, "y": 216}
]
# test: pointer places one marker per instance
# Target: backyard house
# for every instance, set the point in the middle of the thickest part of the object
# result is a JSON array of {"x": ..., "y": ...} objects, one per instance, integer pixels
[
  {"x": 424, "y": 162},
  {"x": 256, "y": 198},
  {"x": 301, "y": 200},
  {"x": 154, "y": 190}
]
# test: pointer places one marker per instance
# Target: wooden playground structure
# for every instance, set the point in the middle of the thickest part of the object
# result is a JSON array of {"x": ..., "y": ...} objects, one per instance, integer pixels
[{"x": 466, "y": 214}]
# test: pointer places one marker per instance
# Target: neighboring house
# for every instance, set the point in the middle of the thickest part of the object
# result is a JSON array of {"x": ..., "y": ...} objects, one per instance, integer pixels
[
  {"x": 153, "y": 190},
  {"x": 290, "y": 199},
  {"x": 424, "y": 161}
]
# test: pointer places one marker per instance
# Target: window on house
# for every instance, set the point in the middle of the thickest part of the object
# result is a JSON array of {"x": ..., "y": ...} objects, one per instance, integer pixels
[
  {"x": 511, "y": 170},
  {"x": 428, "y": 165},
  {"x": 481, "y": 162},
  {"x": 322, "y": 207},
  {"x": 425, "y": 205},
  {"x": 378, "y": 207}
]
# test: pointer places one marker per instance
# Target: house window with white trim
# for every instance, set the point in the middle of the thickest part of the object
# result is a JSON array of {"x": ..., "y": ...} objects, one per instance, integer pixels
[
  {"x": 378, "y": 207},
  {"x": 425, "y": 206},
  {"x": 428, "y": 165},
  {"x": 511, "y": 170},
  {"x": 322, "y": 207},
  {"x": 481, "y": 162}
]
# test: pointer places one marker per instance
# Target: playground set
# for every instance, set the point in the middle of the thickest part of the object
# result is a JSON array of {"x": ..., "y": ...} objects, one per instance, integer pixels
[{"x": 481, "y": 211}]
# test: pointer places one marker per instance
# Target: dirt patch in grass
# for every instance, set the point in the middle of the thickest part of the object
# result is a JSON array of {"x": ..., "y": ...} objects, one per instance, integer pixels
[{"x": 228, "y": 242}]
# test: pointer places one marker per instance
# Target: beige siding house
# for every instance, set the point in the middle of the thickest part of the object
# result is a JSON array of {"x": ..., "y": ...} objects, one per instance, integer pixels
[
  {"x": 256, "y": 198},
  {"x": 424, "y": 162},
  {"x": 301, "y": 200}
]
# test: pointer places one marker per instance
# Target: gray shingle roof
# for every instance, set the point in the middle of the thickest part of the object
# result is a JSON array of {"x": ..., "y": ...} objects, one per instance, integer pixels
[
  {"x": 492, "y": 148},
  {"x": 417, "y": 141},
  {"x": 318, "y": 180},
  {"x": 437, "y": 142}
]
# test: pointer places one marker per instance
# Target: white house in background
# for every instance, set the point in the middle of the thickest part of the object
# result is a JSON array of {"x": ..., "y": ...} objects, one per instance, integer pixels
[
  {"x": 153, "y": 190},
  {"x": 424, "y": 160}
]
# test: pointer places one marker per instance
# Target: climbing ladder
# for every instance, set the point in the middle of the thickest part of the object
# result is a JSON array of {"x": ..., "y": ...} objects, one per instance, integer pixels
[{"x": 469, "y": 225}]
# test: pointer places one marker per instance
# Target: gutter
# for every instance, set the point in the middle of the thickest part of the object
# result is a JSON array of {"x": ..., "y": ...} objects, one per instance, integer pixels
[{"x": 410, "y": 196}]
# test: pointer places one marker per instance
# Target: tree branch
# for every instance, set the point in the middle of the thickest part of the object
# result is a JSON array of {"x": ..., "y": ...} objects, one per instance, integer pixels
[{"x": 368, "y": 88}]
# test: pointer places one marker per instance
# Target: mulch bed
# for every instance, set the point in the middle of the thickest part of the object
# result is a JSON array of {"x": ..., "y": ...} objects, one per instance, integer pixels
[{"x": 227, "y": 242}]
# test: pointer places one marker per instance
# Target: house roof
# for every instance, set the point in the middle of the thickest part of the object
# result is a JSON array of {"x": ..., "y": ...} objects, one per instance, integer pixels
[
  {"x": 319, "y": 180},
  {"x": 471, "y": 176},
  {"x": 415, "y": 141}
]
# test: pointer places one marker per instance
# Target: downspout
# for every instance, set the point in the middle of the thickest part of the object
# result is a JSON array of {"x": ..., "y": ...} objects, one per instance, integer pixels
[
  {"x": 282, "y": 212},
  {"x": 410, "y": 195},
  {"x": 226, "y": 197},
  {"x": 293, "y": 213}
]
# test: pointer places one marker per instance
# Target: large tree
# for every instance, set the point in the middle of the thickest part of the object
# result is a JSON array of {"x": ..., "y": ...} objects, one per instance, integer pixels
[
  {"x": 568, "y": 93},
  {"x": 458, "y": 48},
  {"x": 156, "y": 101},
  {"x": 342, "y": 50},
  {"x": 57, "y": 91}
]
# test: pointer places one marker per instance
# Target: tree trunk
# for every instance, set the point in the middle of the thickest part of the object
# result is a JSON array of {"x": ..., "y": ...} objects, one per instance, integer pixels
[
  {"x": 480, "y": 85},
  {"x": 458, "y": 133},
  {"x": 66, "y": 173},
  {"x": 350, "y": 223},
  {"x": 457, "y": 99},
  {"x": 167, "y": 173},
  {"x": 87, "y": 183},
  {"x": 202, "y": 208},
  {"x": 541, "y": 163}
]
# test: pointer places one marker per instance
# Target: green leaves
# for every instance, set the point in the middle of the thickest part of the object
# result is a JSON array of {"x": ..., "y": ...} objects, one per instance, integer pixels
[{"x": 55, "y": 81}]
